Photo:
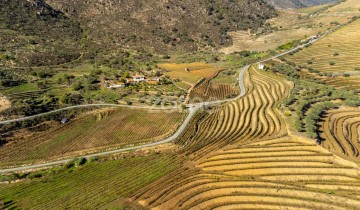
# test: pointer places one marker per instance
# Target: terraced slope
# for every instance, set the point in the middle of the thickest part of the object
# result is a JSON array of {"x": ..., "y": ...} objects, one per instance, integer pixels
[
  {"x": 341, "y": 132},
  {"x": 263, "y": 168},
  {"x": 253, "y": 117},
  {"x": 336, "y": 57},
  {"x": 207, "y": 90},
  {"x": 341, "y": 47}
]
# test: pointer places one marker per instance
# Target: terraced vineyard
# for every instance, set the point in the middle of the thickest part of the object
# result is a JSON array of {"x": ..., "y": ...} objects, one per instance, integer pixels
[
  {"x": 340, "y": 131},
  {"x": 263, "y": 168},
  {"x": 207, "y": 90},
  {"x": 336, "y": 56},
  {"x": 346, "y": 83},
  {"x": 253, "y": 117},
  {"x": 341, "y": 47},
  {"x": 101, "y": 130}
]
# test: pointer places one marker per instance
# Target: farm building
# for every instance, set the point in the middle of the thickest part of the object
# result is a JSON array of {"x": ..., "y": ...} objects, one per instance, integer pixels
[
  {"x": 118, "y": 85},
  {"x": 157, "y": 79},
  {"x": 261, "y": 66},
  {"x": 139, "y": 78}
]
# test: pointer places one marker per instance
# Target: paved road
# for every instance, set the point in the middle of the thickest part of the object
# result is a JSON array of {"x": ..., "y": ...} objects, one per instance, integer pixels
[
  {"x": 86, "y": 106},
  {"x": 191, "y": 107}
]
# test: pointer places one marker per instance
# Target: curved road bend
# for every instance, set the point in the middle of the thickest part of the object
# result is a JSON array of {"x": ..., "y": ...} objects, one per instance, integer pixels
[{"x": 192, "y": 110}]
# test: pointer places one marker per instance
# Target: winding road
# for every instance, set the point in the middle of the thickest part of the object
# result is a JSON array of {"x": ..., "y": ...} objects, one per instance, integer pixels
[{"x": 193, "y": 108}]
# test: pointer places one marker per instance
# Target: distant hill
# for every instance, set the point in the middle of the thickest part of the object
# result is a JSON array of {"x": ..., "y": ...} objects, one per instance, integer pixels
[
  {"x": 164, "y": 25},
  {"x": 286, "y": 4}
]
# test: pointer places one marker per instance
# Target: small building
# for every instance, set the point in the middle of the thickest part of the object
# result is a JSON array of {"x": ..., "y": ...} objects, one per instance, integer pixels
[
  {"x": 261, "y": 66},
  {"x": 139, "y": 78},
  {"x": 65, "y": 120},
  {"x": 118, "y": 85},
  {"x": 157, "y": 79}
]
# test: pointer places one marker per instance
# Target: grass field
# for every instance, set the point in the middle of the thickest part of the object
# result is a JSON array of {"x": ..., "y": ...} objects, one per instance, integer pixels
[
  {"x": 92, "y": 186},
  {"x": 244, "y": 158},
  {"x": 97, "y": 131},
  {"x": 340, "y": 131},
  {"x": 190, "y": 72}
]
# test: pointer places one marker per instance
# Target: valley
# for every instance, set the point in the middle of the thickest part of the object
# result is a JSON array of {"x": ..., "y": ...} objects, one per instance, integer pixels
[{"x": 179, "y": 105}]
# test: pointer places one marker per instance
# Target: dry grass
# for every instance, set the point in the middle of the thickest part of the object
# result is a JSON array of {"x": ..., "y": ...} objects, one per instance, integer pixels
[
  {"x": 4, "y": 103},
  {"x": 190, "y": 72}
]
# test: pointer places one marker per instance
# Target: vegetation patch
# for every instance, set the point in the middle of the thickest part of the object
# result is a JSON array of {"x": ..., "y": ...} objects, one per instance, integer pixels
[
  {"x": 99, "y": 183},
  {"x": 102, "y": 129}
]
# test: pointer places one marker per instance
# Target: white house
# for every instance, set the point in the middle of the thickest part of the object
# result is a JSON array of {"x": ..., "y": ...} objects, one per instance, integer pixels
[
  {"x": 261, "y": 66},
  {"x": 118, "y": 85},
  {"x": 139, "y": 78}
]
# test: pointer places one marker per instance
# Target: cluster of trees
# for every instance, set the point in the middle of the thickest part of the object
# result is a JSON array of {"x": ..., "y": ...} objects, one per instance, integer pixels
[
  {"x": 9, "y": 78},
  {"x": 310, "y": 98},
  {"x": 314, "y": 115}
]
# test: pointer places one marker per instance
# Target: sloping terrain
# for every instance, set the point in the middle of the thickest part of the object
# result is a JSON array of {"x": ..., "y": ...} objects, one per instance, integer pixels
[
  {"x": 32, "y": 34},
  {"x": 340, "y": 131},
  {"x": 96, "y": 131},
  {"x": 334, "y": 59},
  {"x": 163, "y": 25},
  {"x": 243, "y": 158},
  {"x": 286, "y": 4}
]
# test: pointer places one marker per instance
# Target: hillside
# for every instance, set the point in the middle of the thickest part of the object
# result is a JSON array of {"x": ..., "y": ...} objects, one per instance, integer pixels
[
  {"x": 286, "y": 4},
  {"x": 163, "y": 25},
  {"x": 32, "y": 33}
]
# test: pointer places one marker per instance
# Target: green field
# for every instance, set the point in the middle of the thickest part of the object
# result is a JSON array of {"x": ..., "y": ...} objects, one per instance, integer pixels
[
  {"x": 91, "y": 186},
  {"x": 104, "y": 129}
]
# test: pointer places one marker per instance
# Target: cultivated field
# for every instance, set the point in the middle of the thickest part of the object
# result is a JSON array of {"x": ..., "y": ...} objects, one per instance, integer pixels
[
  {"x": 337, "y": 52},
  {"x": 207, "y": 90},
  {"x": 97, "y": 131},
  {"x": 190, "y": 72},
  {"x": 243, "y": 158},
  {"x": 253, "y": 117},
  {"x": 340, "y": 131},
  {"x": 91, "y": 186}
]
